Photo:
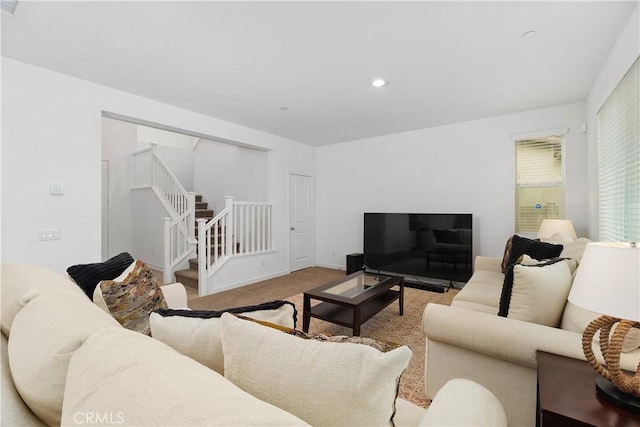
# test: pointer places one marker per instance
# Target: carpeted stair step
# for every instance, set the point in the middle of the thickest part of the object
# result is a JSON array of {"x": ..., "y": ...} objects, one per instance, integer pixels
[
  {"x": 202, "y": 205},
  {"x": 188, "y": 277},
  {"x": 204, "y": 213},
  {"x": 198, "y": 198},
  {"x": 193, "y": 263}
]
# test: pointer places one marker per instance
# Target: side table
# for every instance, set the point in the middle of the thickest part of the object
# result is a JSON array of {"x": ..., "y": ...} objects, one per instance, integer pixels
[{"x": 567, "y": 396}]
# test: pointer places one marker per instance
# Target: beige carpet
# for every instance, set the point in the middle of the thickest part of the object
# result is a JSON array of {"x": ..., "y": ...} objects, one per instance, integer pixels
[{"x": 388, "y": 325}]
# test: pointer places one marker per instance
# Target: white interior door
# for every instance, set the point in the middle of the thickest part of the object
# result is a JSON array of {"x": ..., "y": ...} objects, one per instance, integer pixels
[{"x": 301, "y": 222}]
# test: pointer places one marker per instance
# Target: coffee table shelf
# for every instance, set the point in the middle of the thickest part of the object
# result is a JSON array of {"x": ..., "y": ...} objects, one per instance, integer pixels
[
  {"x": 355, "y": 304},
  {"x": 340, "y": 315}
]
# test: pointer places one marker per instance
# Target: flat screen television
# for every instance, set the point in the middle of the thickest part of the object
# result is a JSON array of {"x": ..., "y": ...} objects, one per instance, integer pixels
[{"x": 419, "y": 246}]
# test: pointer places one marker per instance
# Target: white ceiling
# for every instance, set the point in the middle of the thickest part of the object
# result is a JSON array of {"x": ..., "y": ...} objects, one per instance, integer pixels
[{"x": 245, "y": 62}]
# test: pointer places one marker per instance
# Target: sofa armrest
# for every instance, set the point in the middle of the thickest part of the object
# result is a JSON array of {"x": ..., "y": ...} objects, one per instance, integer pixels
[
  {"x": 175, "y": 294},
  {"x": 463, "y": 402},
  {"x": 498, "y": 337},
  {"x": 497, "y": 352},
  {"x": 488, "y": 263}
]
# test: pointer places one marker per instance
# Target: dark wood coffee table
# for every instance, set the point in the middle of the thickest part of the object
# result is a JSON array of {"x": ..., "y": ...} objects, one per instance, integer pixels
[{"x": 353, "y": 300}]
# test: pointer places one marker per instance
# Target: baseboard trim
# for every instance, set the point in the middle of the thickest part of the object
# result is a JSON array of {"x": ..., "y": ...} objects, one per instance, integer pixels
[
  {"x": 332, "y": 266},
  {"x": 250, "y": 281}
]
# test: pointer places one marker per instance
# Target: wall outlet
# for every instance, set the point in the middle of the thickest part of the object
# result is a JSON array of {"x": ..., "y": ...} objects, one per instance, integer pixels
[
  {"x": 49, "y": 234},
  {"x": 262, "y": 262}
]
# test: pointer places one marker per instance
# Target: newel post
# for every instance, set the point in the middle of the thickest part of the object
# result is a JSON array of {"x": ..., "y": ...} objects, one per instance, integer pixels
[
  {"x": 203, "y": 247},
  {"x": 167, "y": 273},
  {"x": 230, "y": 248},
  {"x": 191, "y": 221}
]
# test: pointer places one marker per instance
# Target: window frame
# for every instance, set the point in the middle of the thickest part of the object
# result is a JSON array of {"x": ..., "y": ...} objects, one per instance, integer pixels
[{"x": 561, "y": 184}]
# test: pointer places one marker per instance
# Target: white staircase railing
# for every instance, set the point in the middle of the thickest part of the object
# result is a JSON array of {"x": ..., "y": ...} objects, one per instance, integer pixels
[
  {"x": 242, "y": 228},
  {"x": 149, "y": 171}
]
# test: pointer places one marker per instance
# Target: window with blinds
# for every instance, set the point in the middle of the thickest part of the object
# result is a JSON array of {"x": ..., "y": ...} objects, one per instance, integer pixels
[
  {"x": 619, "y": 161},
  {"x": 539, "y": 181}
]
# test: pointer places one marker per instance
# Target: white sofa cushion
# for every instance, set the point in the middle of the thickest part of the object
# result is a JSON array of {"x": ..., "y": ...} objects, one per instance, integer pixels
[
  {"x": 576, "y": 319},
  {"x": 14, "y": 411},
  {"x": 23, "y": 282},
  {"x": 484, "y": 288},
  {"x": 44, "y": 336},
  {"x": 324, "y": 383},
  {"x": 140, "y": 381},
  {"x": 571, "y": 248},
  {"x": 196, "y": 333}
]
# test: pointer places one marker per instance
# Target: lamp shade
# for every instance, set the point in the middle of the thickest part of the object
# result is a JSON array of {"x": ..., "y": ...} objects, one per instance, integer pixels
[
  {"x": 549, "y": 227},
  {"x": 608, "y": 280}
]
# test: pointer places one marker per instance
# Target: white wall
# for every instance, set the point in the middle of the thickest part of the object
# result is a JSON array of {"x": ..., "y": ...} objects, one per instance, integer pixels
[
  {"x": 148, "y": 135},
  {"x": 148, "y": 227},
  {"x": 222, "y": 169},
  {"x": 52, "y": 132},
  {"x": 623, "y": 55},
  {"x": 180, "y": 162},
  {"x": 462, "y": 168}
]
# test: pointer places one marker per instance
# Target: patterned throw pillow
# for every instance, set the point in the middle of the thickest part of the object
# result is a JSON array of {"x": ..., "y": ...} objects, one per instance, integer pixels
[
  {"x": 87, "y": 276},
  {"x": 132, "y": 301},
  {"x": 506, "y": 255}
]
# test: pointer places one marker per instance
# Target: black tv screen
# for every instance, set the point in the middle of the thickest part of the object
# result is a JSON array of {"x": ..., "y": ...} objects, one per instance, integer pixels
[{"x": 422, "y": 245}]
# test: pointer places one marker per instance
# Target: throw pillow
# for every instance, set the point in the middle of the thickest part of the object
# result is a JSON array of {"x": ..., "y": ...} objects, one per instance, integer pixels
[
  {"x": 131, "y": 301},
  {"x": 87, "y": 276},
  {"x": 97, "y": 292},
  {"x": 323, "y": 383},
  {"x": 379, "y": 345},
  {"x": 506, "y": 254},
  {"x": 196, "y": 333},
  {"x": 576, "y": 319},
  {"x": 536, "y": 293},
  {"x": 518, "y": 245}
]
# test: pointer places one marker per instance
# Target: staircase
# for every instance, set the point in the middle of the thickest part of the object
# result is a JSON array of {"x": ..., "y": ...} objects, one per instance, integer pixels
[
  {"x": 240, "y": 228},
  {"x": 189, "y": 277}
]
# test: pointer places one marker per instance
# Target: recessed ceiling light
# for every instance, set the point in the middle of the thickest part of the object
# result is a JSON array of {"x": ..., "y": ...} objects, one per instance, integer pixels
[
  {"x": 378, "y": 83},
  {"x": 529, "y": 34}
]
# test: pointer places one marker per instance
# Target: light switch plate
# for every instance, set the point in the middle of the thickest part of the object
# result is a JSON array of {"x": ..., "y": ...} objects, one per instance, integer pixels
[
  {"x": 49, "y": 234},
  {"x": 56, "y": 189}
]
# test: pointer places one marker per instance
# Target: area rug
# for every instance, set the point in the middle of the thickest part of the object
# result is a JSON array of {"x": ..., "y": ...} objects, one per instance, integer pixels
[{"x": 388, "y": 325}]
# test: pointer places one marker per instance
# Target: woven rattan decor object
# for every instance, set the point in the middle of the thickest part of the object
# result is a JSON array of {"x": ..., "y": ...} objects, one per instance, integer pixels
[{"x": 611, "y": 347}]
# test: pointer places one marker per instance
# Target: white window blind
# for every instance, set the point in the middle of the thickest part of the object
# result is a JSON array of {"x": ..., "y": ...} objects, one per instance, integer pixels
[
  {"x": 539, "y": 181},
  {"x": 619, "y": 161}
]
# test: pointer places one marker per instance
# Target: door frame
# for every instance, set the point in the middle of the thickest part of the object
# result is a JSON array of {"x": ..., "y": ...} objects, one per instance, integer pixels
[{"x": 289, "y": 218}]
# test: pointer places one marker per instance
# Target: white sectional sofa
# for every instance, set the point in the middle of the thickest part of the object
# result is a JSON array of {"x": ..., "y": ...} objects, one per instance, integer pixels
[
  {"x": 469, "y": 340},
  {"x": 66, "y": 361}
]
